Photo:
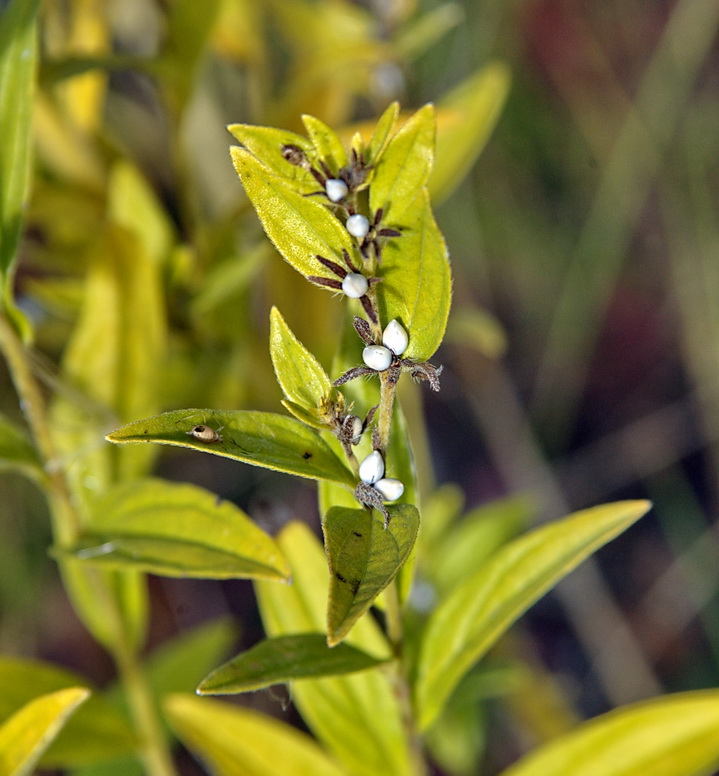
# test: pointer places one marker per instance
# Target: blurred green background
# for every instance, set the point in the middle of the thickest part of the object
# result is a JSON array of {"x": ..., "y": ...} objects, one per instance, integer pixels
[{"x": 582, "y": 360}]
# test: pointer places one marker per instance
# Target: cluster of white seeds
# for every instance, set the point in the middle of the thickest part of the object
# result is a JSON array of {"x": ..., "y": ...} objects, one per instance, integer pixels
[
  {"x": 371, "y": 472},
  {"x": 394, "y": 343}
]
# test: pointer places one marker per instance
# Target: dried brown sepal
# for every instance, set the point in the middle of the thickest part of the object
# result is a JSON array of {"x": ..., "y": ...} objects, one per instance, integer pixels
[{"x": 369, "y": 497}]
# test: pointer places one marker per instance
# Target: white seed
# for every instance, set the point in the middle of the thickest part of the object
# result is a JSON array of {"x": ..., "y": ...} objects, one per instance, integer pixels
[
  {"x": 205, "y": 434},
  {"x": 372, "y": 468},
  {"x": 395, "y": 337},
  {"x": 377, "y": 357},
  {"x": 357, "y": 429},
  {"x": 336, "y": 189},
  {"x": 389, "y": 488},
  {"x": 355, "y": 285},
  {"x": 358, "y": 226}
]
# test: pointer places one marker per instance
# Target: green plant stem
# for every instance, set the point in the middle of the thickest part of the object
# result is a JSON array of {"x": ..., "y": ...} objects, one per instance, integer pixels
[
  {"x": 67, "y": 526},
  {"x": 387, "y": 391}
]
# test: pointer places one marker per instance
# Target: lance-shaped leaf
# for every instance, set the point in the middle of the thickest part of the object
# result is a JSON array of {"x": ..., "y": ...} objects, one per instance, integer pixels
[
  {"x": 301, "y": 377},
  {"x": 328, "y": 146},
  {"x": 236, "y": 741},
  {"x": 404, "y": 167},
  {"x": 258, "y": 438},
  {"x": 296, "y": 656},
  {"x": 364, "y": 557},
  {"x": 18, "y": 62},
  {"x": 300, "y": 227},
  {"x": 382, "y": 132},
  {"x": 26, "y": 735},
  {"x": 675, "y": 735},
  {"x": 178, "y": 531},
  {"x": 416, "y": 286},
  {"x": 266, "y": 144},
  {"x": 475, "y": 614}
]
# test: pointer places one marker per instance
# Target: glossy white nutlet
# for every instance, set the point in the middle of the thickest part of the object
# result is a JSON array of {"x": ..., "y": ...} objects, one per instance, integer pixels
[
  {"x": 377, "y": 357},
  {"x": 357, "y": 430},
  {"x": 372, "y": 468},
  {"x": 358, "y": 226},
  {"x": 205, "y": 434},
  {"x": 355, "y": 285},
  {"x": 336, "y": 189},
  {"x": 389, "y": 488},
  {"x": 395, "y": 337}
]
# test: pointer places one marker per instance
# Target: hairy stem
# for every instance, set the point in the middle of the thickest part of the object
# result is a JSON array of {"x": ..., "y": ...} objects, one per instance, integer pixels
[{"x": 387, "y": 391}]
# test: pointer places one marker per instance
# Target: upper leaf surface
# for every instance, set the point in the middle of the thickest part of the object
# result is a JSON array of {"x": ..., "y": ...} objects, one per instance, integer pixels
[
  {"x": 404, "y": 167},
  {"x": 300, "y": 227},
  {"x": 259, "y": 438},
  {"x": 295, "y": 656},
  {"x": 475, "y": 614},
  {"x": 382, "y": 133},
  {"x": 179, "y": 530},
  {"x": 671, "y": 736},
  {"x": 235, "y": 741},
  {"x": 416, "y": 285},
  {"x": 364, "y": 558},
  {"x": 26, "y": 735},
  {"x": 328, "y": 146},
  {"x": 301, "y": 377}
]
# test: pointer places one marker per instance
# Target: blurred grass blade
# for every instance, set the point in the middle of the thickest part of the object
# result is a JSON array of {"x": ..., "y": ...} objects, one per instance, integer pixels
[
  {"x": 299, "y": 227},
  {"x": 95, "y": 732},
  {"x": 416, "y": 286},
  {"x": 675, "y": 735},
  {"x": 301, "y": 377},
  {"x": 258, "y": 438},
  {"x": 233, "y": 740},
  {"x": 272, "y": 661},
  {"x": 475, "y": 614},
  {"x": 16, "y": 451},
  {"x": 364, "y": 557},
  {"x": 404, "y": 167},
  {"x": 178, "y": 531},
  {"x": 26, "y": 735},
  {"x": 356, "y": 716},
  {"x": 465, "y": 120},
  {"x": 18, "y": 64}
]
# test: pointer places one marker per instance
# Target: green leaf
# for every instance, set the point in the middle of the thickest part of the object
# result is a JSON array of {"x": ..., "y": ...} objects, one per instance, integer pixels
[
  {"x": 416, "y": 286},
  {"x": 404, "y": 167},
  {"x": 296, "y": 656},
  {"x": 266, "y": 143},
  {"x": 16, "y": 450},
  {"x": 364, "y": 557},
  {"x": 178, "y": 531},
  {"x": 474, "y": 615},
  {"x": 18, "y": 63},
  {"x": 671, "y": 736},
  {"x": 258, "y": 438},
  {"x": 328, "y": 146},
  {"x": 26, "y": 735},
  {"x": 357, "y": 716},
  {"x": 299, "y": 227},
  {"x": 382, "y": 132},
  {"x": 96, "y": 732},
  {"x": 236, "y": 741},
  {"x": 477, "y": 329},
  {"x": 301, "y": 377},
  {"x": 465, "y": 120}
]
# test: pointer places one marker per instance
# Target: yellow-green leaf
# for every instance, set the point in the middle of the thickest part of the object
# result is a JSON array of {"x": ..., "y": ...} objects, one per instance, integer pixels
[
  {"x": 675, "y": 735},
  {"x": 236, "y": 741},
  {"x": 95, "y": 732},
  {"x": 258, "y": 438},
  {"x": 300, "y": 227},
  {"x": 404, "y": 167},
  {"x": 465, "y": 120},
  {"x": 301, "y": 377},
  {"x": 416, "y": 286},
  {"x": 178, "y": 531},
  {"x": 266, "y": 144},
  {"x": 328, "y": 146},
  {"x": 364, "y": 557},
  {"x": 475, "y": 614},
  {"x": 382, "y": 133},
  {"x": 16, "y": 450},
  {"x": 356, "y": 716},
  {"x": 18, "y": 63},
  {"x": 295, "y": 656},
  {"x": 26, "y": 735}
]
